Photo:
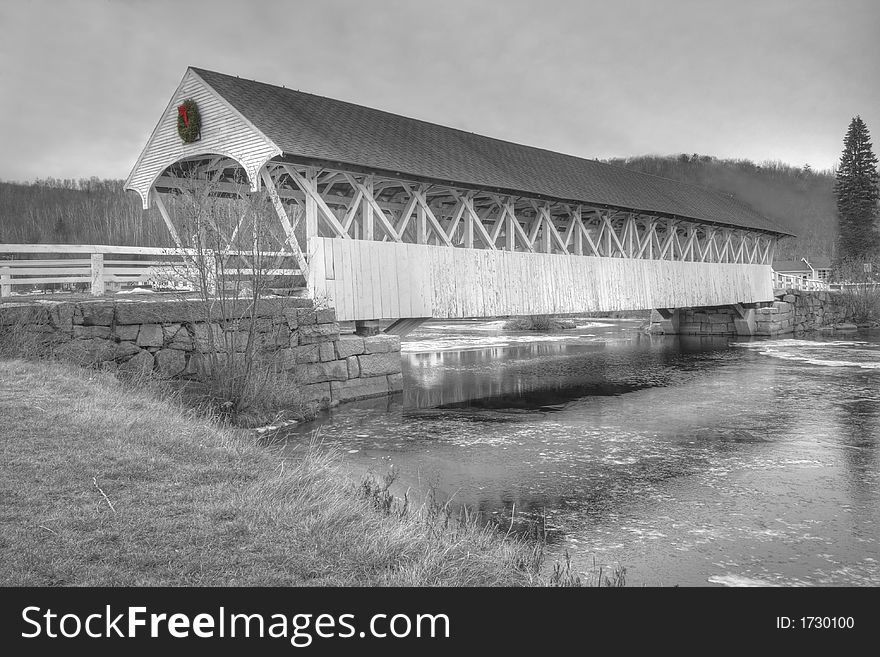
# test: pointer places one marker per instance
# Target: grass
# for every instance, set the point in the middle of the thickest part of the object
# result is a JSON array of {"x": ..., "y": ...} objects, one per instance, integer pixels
[{"x": 103, "y": 483}]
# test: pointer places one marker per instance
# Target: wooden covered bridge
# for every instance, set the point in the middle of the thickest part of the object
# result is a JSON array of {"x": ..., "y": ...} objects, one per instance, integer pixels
[{"x": 390, "y": 217}]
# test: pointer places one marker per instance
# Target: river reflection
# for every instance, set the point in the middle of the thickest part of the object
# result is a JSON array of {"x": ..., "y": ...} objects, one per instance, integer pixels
[{"x": 687, "y": 460}]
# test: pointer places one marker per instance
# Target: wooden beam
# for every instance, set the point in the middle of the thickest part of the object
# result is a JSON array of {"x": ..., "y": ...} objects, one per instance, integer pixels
[
  {"x": 285, "y": 223},
  {"x": 476, "y": 223},
  {"x": 379, "y": 214},
  {"x": 550, "y": 227},
  {"x": 166, "y": 217},
  {"x": 311, "y": 191},
  {"x": 431, "y": 218},
  {"x": 367, "y": 223},
  {"x": 352, "y": 211},
  {"x": 610, "y": 230}
]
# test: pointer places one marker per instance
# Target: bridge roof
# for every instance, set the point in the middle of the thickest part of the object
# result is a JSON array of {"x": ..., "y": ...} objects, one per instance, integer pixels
[{"x": 306, "y": 127}]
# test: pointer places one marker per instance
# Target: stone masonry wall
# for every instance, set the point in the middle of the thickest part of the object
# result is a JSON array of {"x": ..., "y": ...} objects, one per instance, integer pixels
[
  {"x": 172, "y": 339},
  {"x": 793, "y": 311},
  {"x": 800, "y": 311},
  {"x": 707, "y": 321}
]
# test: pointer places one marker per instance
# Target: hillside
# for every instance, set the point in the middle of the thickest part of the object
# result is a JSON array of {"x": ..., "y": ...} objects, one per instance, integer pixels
[
  {"x": 799, "y": 199},
  {"x": 92, "y": 211},
  {"x": 85, "y": 211}
]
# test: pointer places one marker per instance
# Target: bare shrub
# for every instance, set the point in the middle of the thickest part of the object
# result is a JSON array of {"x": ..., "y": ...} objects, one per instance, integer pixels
[{"x": 232, "y": 246}]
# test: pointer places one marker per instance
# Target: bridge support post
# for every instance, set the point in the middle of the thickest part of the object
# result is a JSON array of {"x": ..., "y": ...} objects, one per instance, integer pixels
[
  {"x": 406, "y": 325},
  {"x": 367, "y": 327},
  {"x": 744, "y": 319},
  {"x": 670, "y": 319}
]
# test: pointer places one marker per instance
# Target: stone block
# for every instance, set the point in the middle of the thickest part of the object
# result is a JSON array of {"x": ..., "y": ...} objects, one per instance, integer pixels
[
  {"x": 719, "y": 318},
  {"x": 294, "y": 356},
  {"x": 125, "y": 350},
  {"x": 359, "y": 388},
  {"x": 349, "y": 345},
  {"x": 170, "y": 330},
  {"x": 61, "y": 317},
  {"x": 157, "y": 312},
  {"x": 354, "y": 368},
  {"x": 19, "y": 315},
  {"x": 140, "y": 363},
  {"x": 306, "y": 316},
  {"x": 89, "y": 331},
  {"x": 207, "y": 337},
  {"x": 376, "y": 364},
  {"x": 314, "y": 333},
  {"x": 382, "y": 343},
  {"x": 170, "y": 362},
  {"x": 126, "y": 331},
  {"x": 789, "y": 298},
  {"x": 279, "y": 336},
  {"x": 93, "y": 351},
  {"x": 308, "y": 373},
  {"x": 327, "y": 351},
  {"x": 326, "y": 316},
  {"x": 395, "y": 382},
  {"x": 94, "y": 314},
  {"x": 290, "y": 317},
  {"x": 150, "y": 335},
  {"x": 180, "y": 339},
  {"x": 197, "y": 365},
  {"x": 316, "y": 392}
]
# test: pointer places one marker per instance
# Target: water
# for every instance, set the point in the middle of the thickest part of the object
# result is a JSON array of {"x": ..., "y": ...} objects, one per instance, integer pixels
[{"x": 690, "y": 461}]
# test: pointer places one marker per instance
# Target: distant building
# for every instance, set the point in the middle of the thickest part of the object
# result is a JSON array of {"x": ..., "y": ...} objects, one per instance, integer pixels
[{"x": 816, "y": 269}]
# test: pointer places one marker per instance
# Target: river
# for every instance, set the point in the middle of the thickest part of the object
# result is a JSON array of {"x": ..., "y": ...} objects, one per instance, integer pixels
[{"x": 694, "y": 461}]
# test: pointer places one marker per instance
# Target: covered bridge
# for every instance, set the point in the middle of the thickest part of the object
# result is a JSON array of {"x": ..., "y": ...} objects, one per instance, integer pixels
[{"x": 391, "y": 217}]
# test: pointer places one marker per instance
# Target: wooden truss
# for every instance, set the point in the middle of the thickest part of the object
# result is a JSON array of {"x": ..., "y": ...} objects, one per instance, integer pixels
[{"x": 348, "y": 205}]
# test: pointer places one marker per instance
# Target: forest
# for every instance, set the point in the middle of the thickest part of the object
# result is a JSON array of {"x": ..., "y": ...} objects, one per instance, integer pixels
[
  {"x": 94, "y": 211},
  {"x": 799, "y": 199}
]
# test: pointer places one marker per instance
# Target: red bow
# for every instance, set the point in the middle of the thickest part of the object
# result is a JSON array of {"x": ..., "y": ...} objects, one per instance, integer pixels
[{"x": 181, "y": 111}]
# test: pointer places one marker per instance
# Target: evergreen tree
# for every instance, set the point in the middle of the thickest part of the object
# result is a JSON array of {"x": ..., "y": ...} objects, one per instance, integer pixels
[{"x": 857, "y": 195}]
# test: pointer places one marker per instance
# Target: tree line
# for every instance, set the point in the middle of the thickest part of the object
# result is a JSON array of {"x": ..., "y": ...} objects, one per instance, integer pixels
[
  {"x": 799, "y": 199},
  {"x": 83, "y": 211}
]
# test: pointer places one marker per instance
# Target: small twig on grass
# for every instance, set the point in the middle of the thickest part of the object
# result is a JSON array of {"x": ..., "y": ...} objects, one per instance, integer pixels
[
  {"x": 103, "y": 494},
  {"x": 47, "y": 529}
]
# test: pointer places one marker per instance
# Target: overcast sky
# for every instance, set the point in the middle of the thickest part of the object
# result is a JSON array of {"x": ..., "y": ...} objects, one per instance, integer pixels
[{"x": 82, "y": 83}]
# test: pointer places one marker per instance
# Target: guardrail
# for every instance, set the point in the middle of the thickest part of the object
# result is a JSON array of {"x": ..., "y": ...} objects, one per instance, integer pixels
[
  {"x": 104, "y": 267},
  {"x": 789, "y": 281}
]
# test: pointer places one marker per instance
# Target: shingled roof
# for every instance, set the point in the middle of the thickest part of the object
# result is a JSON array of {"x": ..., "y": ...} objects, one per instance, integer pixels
[{"x": 313, "y": 128}]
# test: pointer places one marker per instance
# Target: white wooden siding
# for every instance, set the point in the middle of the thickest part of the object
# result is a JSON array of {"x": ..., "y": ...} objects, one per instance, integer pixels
[
  {"x": 385, "y": 280},
  {"x": 224, "y": 132}
]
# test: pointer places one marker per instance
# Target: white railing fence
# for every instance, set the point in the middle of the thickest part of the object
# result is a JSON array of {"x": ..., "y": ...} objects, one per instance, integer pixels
[
  {"x": 104, "y": 268},
  {"x": 789, "y": 281}
]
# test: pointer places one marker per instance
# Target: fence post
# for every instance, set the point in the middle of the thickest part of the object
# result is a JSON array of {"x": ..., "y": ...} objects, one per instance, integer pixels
[
  {"x": 5, "y": 285},
  {"x": 97, "y": 274}
]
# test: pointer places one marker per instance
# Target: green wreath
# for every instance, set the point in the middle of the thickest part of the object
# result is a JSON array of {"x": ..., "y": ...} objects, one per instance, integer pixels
[{"x": 189, "y": 123}]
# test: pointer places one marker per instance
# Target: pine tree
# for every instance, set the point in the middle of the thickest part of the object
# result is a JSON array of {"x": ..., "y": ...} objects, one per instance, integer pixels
[{"x": 857, "y": 195}]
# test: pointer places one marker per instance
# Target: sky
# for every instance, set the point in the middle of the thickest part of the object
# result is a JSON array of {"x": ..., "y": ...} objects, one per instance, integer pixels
[{"x": 83, "y": 83}]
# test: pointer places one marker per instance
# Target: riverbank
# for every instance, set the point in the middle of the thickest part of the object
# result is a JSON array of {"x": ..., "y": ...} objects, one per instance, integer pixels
[{"x": 105, "y": 484}]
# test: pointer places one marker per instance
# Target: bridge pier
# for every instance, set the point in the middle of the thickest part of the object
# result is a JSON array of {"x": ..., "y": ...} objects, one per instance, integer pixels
[
  {"x": 367, "y": 327},
  {"x": 736, "y": 319}
]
